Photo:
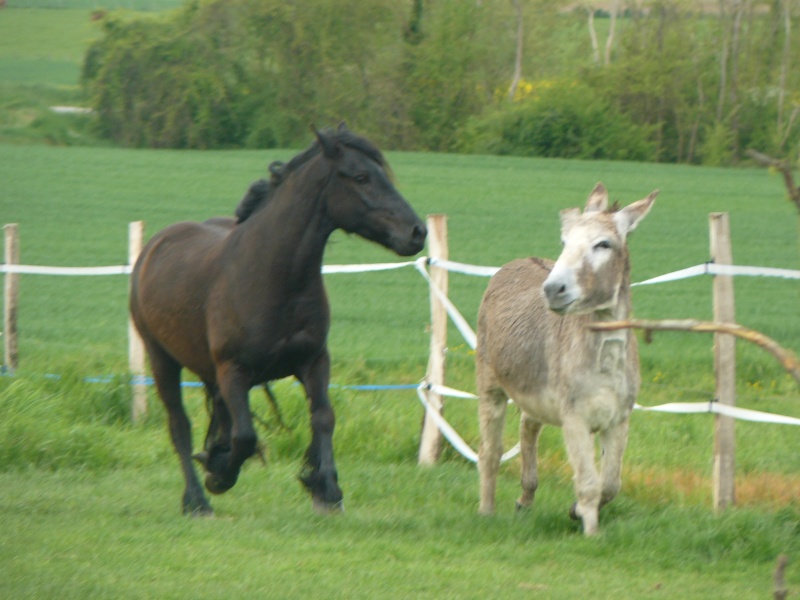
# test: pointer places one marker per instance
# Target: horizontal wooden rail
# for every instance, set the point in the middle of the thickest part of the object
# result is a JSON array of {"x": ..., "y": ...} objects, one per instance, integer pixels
[{"x": 787, "y": 358}]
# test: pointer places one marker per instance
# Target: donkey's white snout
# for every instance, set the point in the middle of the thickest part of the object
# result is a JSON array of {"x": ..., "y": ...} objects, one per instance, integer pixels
[{"x": 559, "y": 293}]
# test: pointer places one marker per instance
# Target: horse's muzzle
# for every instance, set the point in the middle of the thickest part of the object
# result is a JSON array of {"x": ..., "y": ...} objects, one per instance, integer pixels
[
  {"x": 415, "y": 241},
  {"x": 219, "y": 485}
]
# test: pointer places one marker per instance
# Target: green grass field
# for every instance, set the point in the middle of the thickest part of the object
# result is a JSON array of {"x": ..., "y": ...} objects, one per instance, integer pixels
[{"x": 89, "y": 503}]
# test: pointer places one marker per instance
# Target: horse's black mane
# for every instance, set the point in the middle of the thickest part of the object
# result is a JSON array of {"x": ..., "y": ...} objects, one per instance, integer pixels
[{"x": 259, "y": 193}]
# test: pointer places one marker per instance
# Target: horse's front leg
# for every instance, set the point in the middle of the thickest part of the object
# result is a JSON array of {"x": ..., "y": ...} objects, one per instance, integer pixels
[
  {"x": 319, "y": 475},
  {"x": 223, "y": 464},
  {"x": 217, "y": 445}
]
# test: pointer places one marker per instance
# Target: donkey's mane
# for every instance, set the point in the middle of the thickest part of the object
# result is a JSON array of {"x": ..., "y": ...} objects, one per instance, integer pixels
[{"x": 260, "y": 192}]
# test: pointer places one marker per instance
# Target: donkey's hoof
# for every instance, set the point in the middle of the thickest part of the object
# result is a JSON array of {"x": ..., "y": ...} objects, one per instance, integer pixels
[
  {"x": 327, "y": 508},
  {"x": 520, "y": 508},
  {"x": 573, "y": 512}
]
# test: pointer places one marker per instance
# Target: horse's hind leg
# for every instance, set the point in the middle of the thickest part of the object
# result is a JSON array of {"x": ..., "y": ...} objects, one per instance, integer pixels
[
  {"x": 167, "y": 375},
  {"x": 529, "y": 431}
]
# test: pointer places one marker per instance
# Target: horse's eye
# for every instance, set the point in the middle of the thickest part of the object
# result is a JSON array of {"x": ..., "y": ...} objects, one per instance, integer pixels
[
  {"x": 602, "y": 244},
  {"x": 361, "y": 178}
]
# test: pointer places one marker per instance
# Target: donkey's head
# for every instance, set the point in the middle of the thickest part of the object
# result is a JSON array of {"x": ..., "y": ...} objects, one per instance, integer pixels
[{"x": 593, "y": 265}]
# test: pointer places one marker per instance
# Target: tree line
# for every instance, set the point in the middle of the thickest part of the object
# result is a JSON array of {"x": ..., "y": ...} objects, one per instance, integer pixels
[{"x": 651, "y": 80}]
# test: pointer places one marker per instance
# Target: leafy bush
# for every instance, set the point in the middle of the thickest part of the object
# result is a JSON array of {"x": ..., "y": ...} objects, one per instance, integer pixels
[
  {"x": 566, "y": 120},
  {"x": 164, "y": 83}
]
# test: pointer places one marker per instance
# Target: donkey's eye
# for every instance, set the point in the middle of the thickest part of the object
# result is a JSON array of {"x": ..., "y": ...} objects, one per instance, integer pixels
[{"x": 602, "y": 245}]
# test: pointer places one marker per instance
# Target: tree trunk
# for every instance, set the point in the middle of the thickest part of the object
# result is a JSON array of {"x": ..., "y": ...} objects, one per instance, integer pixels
[
  {"x": 611, "y": 28},
  {"x": 783, "y": 133},
  {"x": 723, "y": 60},
  {"x": 593, "y": 35},
  {"x": 518, "y": 58}
]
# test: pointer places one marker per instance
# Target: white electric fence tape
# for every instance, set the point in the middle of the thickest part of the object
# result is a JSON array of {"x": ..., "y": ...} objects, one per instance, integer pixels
[
  {"x": 34, "y": 270},
  {"x": 329, "y": 269},
  {"x": 459, "y": 321},
  {"x": 447, "y": 430},
  {"x": 674, "y": 407},
  {"x": 744, "y": 414},
  {"x": 678, "y": 407},
  {"x": 469, "y": 335}
]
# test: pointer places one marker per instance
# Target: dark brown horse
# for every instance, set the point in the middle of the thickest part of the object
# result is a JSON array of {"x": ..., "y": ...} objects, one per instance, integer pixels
[{"x": 242, "y": 303}]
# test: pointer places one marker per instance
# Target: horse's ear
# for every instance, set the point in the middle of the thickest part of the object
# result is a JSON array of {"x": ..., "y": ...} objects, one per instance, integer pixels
[
  {"x": 629, "y": 217},
  {"x": 598, "y": 199},
  {"x": 330, "y": 147},
  {"x": 342, "y": 127}
]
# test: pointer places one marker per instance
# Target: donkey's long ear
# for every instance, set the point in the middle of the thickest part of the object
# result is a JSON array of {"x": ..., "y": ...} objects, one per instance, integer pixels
[
  {"x": 568, "y": 218},
  {"x": 598, "y": 199},
  {"x": 629, "y": 217},
  {"x": 330, "y": 147}
]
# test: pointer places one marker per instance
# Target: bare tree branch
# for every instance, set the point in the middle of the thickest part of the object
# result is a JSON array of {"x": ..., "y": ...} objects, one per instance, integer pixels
[
  {"x": 518, "y": 57},
  {"x": 786, "y": 170},
  {"x": 787, "y": 358},
  {"x": 614, "y": 9},
  {"x": 593, "y": 34}
]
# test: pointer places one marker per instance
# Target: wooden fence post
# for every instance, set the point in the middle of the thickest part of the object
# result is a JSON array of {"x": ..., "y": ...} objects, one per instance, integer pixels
[
  {"x": 10, "y": 298},
  {"x": 430, "y": 446},
  {"x": 725, "y": 366},
  {"x": 135, "y": 343}
]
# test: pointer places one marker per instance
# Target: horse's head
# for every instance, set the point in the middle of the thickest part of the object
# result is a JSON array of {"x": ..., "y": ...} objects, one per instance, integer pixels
[
  {"x": 594, "y": 263},
  {"x": 361, "y": 197}
]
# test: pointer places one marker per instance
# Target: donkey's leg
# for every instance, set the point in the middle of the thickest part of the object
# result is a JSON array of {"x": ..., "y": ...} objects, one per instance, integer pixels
[
  {"x": 319, "y": 473},
  {"x": 529, "y": 431},
  {"x": 491, "y": 417},
  {"x": 612, "y": 447},
  {"x": 234, "y": 386},
  {"x": 580, "y": 449},
  {"x": 167, "y": 375}
]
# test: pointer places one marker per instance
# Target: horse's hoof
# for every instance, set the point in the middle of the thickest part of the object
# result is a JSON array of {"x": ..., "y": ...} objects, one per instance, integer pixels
[
  {"x": 197, "y": 507},
  {"x": 199, "y": 511},
  {"x": 327, "y": 508},
  {"x": 219, "y": 485},
  {"x": 573, "y": 512},
  {"x": 202, "y": 458}
]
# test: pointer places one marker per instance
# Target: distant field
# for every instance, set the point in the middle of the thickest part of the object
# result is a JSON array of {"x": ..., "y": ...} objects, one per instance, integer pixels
[{"x": 142, "y": 5}]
